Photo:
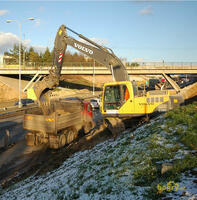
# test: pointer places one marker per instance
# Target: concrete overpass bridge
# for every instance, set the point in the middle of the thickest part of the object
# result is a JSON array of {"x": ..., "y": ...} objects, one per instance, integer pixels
[
  {"x": 164, "y": 69},
  {"x": 142, "y": 69}
]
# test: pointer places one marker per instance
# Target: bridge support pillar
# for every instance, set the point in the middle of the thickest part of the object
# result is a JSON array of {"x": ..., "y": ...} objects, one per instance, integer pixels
[
  {"x": 172, "y": 82},
  {"x": 30, "y": 82}
]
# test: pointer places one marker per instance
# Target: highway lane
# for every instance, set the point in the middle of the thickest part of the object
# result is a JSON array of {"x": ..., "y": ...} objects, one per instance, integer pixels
[
  {"x": 19, "y": 158},
  {"x": 11, "y": 130},
  {"x": 16, "y": 155}
]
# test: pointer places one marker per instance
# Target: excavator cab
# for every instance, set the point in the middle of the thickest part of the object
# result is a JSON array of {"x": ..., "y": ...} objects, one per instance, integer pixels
[
  {"x": 115, "y": 96},
  {"x": 112, "y": 97}
]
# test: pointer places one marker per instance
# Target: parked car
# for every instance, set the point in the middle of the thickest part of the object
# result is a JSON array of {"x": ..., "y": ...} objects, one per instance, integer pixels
[
  {"x": 24, "y": 102},
  {"x": 94, "y": 103}
]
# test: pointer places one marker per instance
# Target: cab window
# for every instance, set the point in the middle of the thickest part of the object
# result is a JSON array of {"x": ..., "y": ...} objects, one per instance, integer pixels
[{"x": 115, "y": 96}]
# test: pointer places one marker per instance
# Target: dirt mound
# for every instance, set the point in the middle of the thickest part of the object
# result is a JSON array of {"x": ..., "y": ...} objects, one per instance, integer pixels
[
  {"x": 7, "y": 93},
  {"x": 101, "y": 79},
  {"x": 78, "y": 79}
]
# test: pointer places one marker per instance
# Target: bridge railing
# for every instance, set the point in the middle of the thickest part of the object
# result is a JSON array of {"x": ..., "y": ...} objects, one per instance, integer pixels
[
  {"x": 168, "y": 64},
  {"x": 89, "y": 66}
]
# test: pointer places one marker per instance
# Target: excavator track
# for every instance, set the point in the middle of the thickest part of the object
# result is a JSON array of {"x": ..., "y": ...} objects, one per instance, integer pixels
[{"x": 114, "y": 125}]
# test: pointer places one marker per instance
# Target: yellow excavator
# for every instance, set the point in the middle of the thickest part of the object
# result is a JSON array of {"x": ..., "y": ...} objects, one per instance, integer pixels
[{"x": 121, "y": 99}]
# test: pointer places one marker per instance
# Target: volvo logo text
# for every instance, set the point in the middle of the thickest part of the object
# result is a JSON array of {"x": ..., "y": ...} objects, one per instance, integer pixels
[{"x": 83, "y": 48}]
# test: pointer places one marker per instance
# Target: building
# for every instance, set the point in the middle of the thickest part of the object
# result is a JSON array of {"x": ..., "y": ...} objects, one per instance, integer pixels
[
  {"x": 1, "y": 60},
  {"x": 6, "y": 60}
]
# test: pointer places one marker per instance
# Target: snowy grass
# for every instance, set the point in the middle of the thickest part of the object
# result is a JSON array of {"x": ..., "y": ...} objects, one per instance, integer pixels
[{"x": 127, "y": 168}]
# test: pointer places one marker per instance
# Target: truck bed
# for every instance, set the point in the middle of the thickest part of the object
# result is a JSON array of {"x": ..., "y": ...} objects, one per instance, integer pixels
[
  {"x": 65, "y": 114},
  {"x": 51, "y": 123}
]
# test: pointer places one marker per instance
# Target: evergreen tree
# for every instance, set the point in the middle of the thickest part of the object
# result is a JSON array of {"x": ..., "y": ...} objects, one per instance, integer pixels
[
  {"x": 47, "y": 56},
  {"x": 14, "y": 53},
  {"x": 33, "y": 57}
]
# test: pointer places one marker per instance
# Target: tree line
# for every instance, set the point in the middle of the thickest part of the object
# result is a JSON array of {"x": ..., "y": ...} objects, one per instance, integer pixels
[{"x": 30, "y": 57}]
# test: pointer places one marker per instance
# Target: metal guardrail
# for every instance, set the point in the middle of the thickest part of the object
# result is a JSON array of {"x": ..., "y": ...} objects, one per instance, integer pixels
[
  {"x": 12, "y": 110},
  {"x": 7, "y": 108},
  {"x": 166, "y": 64},
  {"x": 102, "y": 67},
  {"x": 89, "y": 64}
]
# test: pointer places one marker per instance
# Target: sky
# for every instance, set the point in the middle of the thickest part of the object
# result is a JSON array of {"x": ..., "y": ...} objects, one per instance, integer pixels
[{"x": 136, "y": 30}]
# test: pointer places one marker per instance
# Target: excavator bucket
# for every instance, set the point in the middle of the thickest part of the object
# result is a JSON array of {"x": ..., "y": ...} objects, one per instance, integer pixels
[{"x": 52, "y": 80}]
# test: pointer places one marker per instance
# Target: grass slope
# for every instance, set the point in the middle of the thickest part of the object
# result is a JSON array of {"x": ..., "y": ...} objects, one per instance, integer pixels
[{"x": 127, "y": 168}]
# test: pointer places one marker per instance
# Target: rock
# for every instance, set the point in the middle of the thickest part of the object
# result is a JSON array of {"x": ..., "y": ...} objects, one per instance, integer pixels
[
  {"x": 193, "y": 197},
  {"x": 186, "y": 193},
  {"x": 194, "y": 171},
  {"x": 183, "y": 194},
  {"x": 195, "y": 181},
  {"x": 166, "y": 167},
  {"x": 167, "y": 198}
]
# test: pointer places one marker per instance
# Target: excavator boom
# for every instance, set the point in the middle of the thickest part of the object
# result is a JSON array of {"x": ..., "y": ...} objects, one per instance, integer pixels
[{"x": 100, "y": 54}]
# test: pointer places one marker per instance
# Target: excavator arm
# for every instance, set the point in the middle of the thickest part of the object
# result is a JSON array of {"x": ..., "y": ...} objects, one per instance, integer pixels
[
  {"x": 101, "y": 54},
  {"x": 42, "y": 89}
]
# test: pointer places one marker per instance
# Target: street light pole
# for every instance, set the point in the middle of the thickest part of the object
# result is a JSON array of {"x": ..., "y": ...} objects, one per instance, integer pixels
[
  {"x": 19, "y": 25},
  {"x": 94, "y": 77},
  {"x": 19, "y": 103},
  {"x": 24, "y": 51}
]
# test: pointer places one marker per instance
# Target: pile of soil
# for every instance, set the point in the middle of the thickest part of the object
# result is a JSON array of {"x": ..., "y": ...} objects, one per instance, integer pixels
[
  {"x": 99, "y": 79},
  {"x": 9, "y": 94}
]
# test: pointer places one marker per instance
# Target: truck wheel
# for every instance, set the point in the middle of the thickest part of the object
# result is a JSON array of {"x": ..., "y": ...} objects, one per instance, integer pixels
[
  {"x": 71, "y": 134},
  {"x": 62, "y": 140}
]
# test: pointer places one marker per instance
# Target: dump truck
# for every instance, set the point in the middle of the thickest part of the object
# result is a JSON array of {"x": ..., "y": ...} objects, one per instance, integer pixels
[{"x": 68, "y": 119}]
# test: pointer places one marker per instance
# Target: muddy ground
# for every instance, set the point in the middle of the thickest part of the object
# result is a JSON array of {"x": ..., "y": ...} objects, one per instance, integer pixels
[{"x": 40, "y": 160}]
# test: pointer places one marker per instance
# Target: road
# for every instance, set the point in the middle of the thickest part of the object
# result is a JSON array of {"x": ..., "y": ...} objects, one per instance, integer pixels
[
  {"x": 18, "y": 158},
  {"x": 12, "y": 133},
  {"x": 15, "y": 156},
  {"x": 12, "y": 129},
  {"x": 15, "y": 147}
]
